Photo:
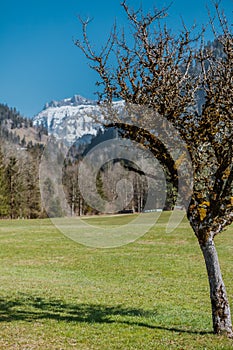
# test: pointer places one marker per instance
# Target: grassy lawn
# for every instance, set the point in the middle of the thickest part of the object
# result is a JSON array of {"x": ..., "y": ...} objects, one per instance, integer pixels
[{"x": 150, "y": 294}]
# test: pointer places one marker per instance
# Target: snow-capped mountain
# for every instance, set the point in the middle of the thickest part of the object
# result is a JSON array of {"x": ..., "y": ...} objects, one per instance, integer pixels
[{"x": 71, "y": 119}]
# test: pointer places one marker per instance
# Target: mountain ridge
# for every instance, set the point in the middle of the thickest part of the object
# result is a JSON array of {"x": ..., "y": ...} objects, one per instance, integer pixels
[
  {"x": 71, "y": 118},
  {"x": 75, "y": 100}
]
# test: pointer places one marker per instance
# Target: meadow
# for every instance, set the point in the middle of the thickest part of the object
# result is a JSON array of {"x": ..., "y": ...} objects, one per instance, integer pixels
[{"x": 149, "y": 294}]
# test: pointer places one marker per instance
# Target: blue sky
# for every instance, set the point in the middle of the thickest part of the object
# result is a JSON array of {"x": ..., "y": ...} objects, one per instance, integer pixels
[{"x": 39, "y": 61}]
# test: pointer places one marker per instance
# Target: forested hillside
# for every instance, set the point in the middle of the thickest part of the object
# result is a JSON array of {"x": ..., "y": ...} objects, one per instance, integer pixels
[{"x": 21, "y": 147}]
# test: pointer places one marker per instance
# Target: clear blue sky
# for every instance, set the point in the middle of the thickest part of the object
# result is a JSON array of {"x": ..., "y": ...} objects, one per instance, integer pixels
[{"x": 39, "y": 61}]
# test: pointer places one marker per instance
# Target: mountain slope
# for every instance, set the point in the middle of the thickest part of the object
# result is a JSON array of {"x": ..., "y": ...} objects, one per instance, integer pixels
[{"x": 19, "y": 130}]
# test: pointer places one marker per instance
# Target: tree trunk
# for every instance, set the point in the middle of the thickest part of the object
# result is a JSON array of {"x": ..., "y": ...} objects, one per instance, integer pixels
[{"x": 221, "y": 315}]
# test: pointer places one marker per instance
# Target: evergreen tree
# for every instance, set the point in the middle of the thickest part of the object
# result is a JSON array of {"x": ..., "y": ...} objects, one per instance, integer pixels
[
  {"x": 31, "y": 193},
  {"x": 14, "y": 188},
  {"x": 4, "y": 207}
]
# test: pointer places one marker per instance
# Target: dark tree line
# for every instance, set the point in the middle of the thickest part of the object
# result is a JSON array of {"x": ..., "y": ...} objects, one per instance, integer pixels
[
  {"x": 19, "y": 164},
  {"x": 19, "y": 189},
  {"x": 107, "y": 179}
]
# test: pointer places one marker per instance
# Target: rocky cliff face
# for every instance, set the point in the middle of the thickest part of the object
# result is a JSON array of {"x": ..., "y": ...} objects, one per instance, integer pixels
[
  {"x": 69, "y": 119},
  {"x": 72, "y": 119}
]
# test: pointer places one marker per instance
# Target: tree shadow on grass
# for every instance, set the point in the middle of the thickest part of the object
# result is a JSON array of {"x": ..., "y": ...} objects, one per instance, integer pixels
[{"x": 29, "y": 309}]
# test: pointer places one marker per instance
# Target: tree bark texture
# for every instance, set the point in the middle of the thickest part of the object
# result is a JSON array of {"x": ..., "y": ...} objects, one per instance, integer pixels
[{"x": 221, "y": 315}]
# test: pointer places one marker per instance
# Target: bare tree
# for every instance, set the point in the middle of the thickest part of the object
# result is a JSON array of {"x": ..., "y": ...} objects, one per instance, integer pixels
[{"x": 156, "y": 69}]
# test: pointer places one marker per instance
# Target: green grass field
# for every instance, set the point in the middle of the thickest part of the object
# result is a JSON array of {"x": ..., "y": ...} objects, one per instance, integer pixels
[{"x": 150, "y": 294}]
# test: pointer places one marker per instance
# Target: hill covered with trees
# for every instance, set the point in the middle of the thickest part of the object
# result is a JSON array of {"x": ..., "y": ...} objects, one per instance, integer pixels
[{"x": 21, "y": 147}]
